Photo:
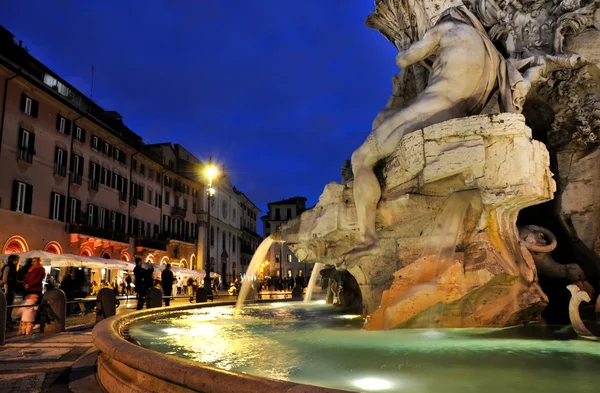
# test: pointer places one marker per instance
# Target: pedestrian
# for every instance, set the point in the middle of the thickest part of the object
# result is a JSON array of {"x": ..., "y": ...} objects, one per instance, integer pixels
[
  {"x": 141, "y": 283},
  {"x": 8, "y": 278},
  {"x": 179, "y": 285},
  {"x": 128, "y": 282},
  {"x": 167, "y": 280},
  {"x": 28, "y": 314},
  {"x": 33, "y": 281}
]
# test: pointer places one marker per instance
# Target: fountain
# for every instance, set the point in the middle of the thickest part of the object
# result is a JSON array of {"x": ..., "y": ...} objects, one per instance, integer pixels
[
  {"x": 312, "y": 282},
  {"x": 257, "y": 259},
  {"x": 423, "y": 230}
]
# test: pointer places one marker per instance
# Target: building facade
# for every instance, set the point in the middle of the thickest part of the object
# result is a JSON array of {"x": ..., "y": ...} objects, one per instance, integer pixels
[
  {"x": 75, "y": 179},
  {"x": 280, "y": 257},
  {"x": 249, "y": 239}
]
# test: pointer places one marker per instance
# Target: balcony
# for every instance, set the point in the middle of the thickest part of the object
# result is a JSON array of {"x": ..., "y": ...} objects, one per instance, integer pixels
[
  {"x": 93, "y": 185},
  {"x": 60, "y": 170},
  {"x": 99, "y": 233},
  {"x": 156, "y": 243},
  {"x": 76, "y": 178},
  {"x": 178, "y": 211},
  {"x": 182, "y": 238},
  {"x": 25, "y": 155}
]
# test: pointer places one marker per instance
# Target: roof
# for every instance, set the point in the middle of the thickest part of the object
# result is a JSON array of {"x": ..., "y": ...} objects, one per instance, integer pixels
[{"x": 290, "y": 201}]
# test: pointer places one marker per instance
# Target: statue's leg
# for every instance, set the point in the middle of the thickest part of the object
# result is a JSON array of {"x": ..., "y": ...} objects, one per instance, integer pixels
[{"x": 380, "y": 144}]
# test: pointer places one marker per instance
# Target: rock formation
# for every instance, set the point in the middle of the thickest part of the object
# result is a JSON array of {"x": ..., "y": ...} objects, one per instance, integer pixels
[
  {"x": 489, "y": 278},
  {"x": 492, "y": 280}
]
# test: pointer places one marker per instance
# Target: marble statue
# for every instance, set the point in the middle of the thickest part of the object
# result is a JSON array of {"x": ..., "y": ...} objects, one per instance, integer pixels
[
  {"x": 488, "y": 93},
  {"x": 578, "y": 296},
  {"x": 460, "y": 47}
]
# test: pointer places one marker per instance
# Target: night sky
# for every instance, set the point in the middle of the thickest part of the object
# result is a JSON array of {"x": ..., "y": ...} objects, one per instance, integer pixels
[{"x": 279, "y": 91}]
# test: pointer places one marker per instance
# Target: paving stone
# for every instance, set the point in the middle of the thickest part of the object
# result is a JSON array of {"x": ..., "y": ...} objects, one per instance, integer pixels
[{"x": 22, "y": 383}]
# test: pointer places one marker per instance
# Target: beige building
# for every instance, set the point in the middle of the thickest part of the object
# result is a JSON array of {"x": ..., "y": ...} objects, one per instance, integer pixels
[
  {"x": 249, "y": 239},
  {"x": 75, "y": 179},
  {"x": 280, "y": 257}
]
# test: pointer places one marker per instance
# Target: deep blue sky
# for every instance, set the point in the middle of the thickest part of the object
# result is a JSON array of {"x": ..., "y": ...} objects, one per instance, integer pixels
[{"x": 280, "y": 91}]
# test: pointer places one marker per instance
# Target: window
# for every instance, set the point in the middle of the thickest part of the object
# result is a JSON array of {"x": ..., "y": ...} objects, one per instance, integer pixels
[
  {"x": 167, "y": 198},
  {"x": 57, "y": 207},
  {"x": 194, "y": 208},
  {"x": 22, "y": 196},
  {"x": 149, "y": 197},
  {"x": 94, "y": 176},
  {"x": 277, "y": 214},
  {"x": 150, "y": 173},
  {"x": 76, "y": 169},
  {"x": 289, "y": 214},
  {"x": 102, "y": 217},
  {"x": 57, "y": 85},
  {"x": 289, "y": 258},
  {"x": 157, "y": 200},
  {"x": 171, "y": 165},
  {"x": 233, "y": 244},
  {"x": 142, "y": 169},
  {"x": 119, "y": 155},
  {"x": 95, "y": 142},
  {"x": 133, "y": 164},
  {"x": 166, "y": 223},
  {"x": 79, "y": 134},
  {"x": 224, "y": 241},
  {"x": 63, "y": 125},
  {"x": 74, "y": 211},
  {"x": 29, "y": 106},
  {"x": 60, "y": 162},
  {"x": 92, "y": 217},
  {"x": 26, "y": 145},
  {"x": 158, "y": 177},
  {"x": 107, "y": 149},
  {"x": 105, "y": 177}
]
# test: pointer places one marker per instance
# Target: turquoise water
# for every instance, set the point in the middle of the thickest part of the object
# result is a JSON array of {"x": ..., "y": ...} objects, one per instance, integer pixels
[{"x": 313, "y": 344}]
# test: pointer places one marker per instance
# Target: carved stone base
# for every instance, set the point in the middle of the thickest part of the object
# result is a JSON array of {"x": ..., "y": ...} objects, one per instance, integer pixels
[{"x": 494, "y": 154}]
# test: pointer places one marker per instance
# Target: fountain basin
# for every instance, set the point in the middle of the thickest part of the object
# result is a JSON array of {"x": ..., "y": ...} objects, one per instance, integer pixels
[
  {"x": 126, "y": 367},
  {"x": 291, "y": 347}
]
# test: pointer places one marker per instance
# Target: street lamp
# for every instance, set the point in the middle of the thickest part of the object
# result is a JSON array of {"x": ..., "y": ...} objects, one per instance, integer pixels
[{"x": 211, "y": 173}]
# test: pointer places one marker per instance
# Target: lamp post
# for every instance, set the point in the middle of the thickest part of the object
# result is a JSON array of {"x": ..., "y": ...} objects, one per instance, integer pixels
[{"x": 210, "y": 172}]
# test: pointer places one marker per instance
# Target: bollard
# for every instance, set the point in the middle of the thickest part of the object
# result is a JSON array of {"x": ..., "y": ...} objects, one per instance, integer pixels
[
  {"x": 55, "y": 305},
  {"x": 297, "y": 292},
  {"x": 3, "y": 317},
  {"x": 107, "y": 304},
  {"x": 154, "y": 298},
  {"x": 201, "y": 296}
]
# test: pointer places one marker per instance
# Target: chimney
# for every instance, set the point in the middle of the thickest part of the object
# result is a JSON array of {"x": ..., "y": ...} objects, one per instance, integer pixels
[{"x": 20, "y": 43}]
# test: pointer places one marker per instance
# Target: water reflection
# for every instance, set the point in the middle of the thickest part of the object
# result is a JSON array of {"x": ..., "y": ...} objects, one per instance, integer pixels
[{"x": 310, "y": 344}]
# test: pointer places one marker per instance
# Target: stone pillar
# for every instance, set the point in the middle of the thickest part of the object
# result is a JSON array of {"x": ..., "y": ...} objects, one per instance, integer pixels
[
  {"x": 107, "y": 304},
  {"x": 3, "y": 317},
  {"x": 55, "y": 305},
  {"x": 154, "y": 298},
  {"x": 201, "y": 295}
]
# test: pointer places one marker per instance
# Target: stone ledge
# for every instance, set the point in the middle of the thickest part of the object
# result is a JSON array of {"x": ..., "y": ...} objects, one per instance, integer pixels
[{"x": 124, "y": 367}]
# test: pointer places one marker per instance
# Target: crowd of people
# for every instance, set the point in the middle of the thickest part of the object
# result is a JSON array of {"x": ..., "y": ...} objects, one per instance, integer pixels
[{"x": 27, "y": 282}]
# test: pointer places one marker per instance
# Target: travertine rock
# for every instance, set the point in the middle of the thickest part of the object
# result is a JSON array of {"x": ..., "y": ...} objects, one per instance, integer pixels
[{"x": 492, "y": 153}]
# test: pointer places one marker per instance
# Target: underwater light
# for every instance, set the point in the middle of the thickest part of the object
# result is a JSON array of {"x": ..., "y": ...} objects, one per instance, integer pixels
[
  {"x": 320, "y": 302},
  {"x": 349, "y": 316},
  {"x": 372, "y": 384}
]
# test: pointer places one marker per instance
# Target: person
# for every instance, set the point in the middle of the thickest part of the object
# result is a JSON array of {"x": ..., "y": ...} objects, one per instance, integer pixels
[
  {"x": 179, "y": 285},
  {"x": 465, "y": 72},
  {"x": 190, "y": 286},
  {"x": 142, "y": 283},
  {"x": 167, "y": 278},
  {"x": 33, "y": 281},
  {"x": 8, "y": 278},
  {"x": 68, "y": 286},
  {"x": 128, "y": 282},
  {"x": 21, "y": 276},
  {"x": 28, "y": 314}
]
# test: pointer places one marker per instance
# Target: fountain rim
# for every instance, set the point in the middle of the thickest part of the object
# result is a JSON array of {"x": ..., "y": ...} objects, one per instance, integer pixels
[{"x": 182, "y": 374}]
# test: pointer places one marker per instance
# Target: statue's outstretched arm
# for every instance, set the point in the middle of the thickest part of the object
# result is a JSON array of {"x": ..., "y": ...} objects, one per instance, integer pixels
[{"x": 421, "y": 49}]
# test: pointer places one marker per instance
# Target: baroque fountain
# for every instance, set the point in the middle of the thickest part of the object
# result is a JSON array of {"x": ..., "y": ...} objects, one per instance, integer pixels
[{"x": 470, "y": 208}]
